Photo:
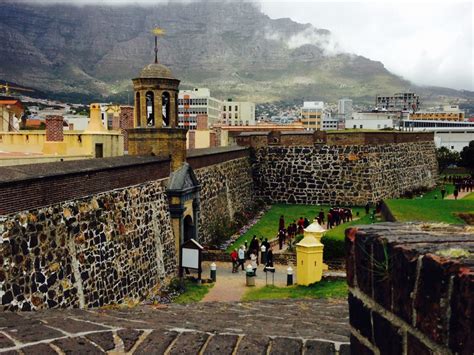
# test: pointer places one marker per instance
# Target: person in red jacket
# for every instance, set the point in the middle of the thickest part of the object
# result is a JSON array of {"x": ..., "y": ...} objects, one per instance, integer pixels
[{"x": 235, "y": 257}]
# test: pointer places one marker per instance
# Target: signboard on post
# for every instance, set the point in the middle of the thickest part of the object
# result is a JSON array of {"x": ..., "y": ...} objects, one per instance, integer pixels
[{"x": 190, "y": 257}]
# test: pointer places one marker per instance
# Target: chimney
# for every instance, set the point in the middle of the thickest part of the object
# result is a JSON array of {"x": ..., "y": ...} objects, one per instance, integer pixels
[
  {"x": 54, "y": 128},
  {"x": 126, "y": 122},
  {"x": 54, "y": 143},
  {"x": 95, "y": 123}
]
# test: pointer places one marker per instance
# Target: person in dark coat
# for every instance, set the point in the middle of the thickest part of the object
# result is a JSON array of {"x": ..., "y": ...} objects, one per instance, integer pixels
[
  {"x": 254, "y": 246},
  {"x": 269, "y": 257},
  {"x": 321, "y": 217},
  {"x": 281, "y": 223},
  {"x": 306, "y": 223}
]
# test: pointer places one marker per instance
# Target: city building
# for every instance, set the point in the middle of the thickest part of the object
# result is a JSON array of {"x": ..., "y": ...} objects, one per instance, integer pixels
[
  {"x": 405, "y": 101},
  {"x": 374, "y": 120},
  {"x": 238, "y": 113},
  {"x": 198, "y": 101},
  {"x": 54, "y": 143},
  {"x": 344, "y": 108},
  {"x": 311, "y": 114},
  {"x": 451, "y": 114},
  {"x": 453, "y": 139},
  {"x": 329, "y": 122}
]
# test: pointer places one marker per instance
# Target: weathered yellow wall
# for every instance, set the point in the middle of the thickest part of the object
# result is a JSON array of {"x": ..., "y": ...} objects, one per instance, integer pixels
[
  {"x": 38, "y": 159},
  {"x": 77, "y": 143}
]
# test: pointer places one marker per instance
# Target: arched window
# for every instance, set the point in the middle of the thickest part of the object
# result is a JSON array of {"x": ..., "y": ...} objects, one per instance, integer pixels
[
  {"x": 150, "y": 109},
  {"x": 138, "y": 107},
  {"x": 165, "y": 100}
]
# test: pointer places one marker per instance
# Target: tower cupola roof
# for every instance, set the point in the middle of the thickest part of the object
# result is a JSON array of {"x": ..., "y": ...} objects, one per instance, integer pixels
[{"x": 156, "y": 71}]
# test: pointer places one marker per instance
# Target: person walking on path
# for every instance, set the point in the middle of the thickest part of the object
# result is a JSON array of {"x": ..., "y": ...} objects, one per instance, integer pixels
[
  {"x": 443, "y": 192},
  {"x": 456, "y": 193},
  {"x": 367, "y": 208},
  {"x": 281, "y": 223},
  {"x": 269, "y": 257},
  {"x": 254, "y": 246},
  {"x": 321, "y": 217},
  {"x": 234, "y": 256},
  {"x": 281, "y": 238},
  {"x": 241, "y": 255},
  {"x": 253, "y": 261},
  {"x": 263, "y": 254}
]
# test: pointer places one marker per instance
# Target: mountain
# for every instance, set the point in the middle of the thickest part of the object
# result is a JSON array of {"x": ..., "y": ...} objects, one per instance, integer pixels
[{"x": 92, "y": 52}]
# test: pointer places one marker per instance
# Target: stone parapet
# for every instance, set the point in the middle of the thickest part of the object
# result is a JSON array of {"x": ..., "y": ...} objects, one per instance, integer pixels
[{"x": 411, "y": 288}]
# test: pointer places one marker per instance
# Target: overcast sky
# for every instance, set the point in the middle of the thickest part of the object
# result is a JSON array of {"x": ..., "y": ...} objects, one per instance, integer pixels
[{"x": 429, "y": 42}]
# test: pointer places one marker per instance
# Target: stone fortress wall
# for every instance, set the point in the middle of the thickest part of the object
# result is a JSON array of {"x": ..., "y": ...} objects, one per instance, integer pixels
[
  {"x": 340, "y": 168},
  {"x": 99, "y": 232}
]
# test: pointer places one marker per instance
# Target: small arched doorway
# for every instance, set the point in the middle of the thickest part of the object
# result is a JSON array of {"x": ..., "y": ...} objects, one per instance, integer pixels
[{"x": 188, "y": 232}]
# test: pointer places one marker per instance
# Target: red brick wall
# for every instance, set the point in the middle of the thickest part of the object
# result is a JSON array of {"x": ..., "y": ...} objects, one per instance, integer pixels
[
  {"x": 54, "y": 128},
  {"x": 126, "y": 122},
  {"x": 404, "y": 296},
  {"x": 201, "y": 122},
  {"x": 74, "y": 179}
]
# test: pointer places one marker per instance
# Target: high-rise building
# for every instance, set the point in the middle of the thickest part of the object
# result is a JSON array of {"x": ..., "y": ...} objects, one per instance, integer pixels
[
  {"x": 238, "y": 113},
  {"x": 344, "y": 108},
  {"x": 311, "y": 114},
  {"x": 198, "y": 101},
  {"x": 405, "y": 101}
]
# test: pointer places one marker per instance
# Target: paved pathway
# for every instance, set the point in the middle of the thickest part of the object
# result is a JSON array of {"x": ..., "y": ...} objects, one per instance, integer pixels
[
  {"x": 232, "y": 286},
  {"x": 265, "y": 327},
  {"x": 460, "y": 195}
]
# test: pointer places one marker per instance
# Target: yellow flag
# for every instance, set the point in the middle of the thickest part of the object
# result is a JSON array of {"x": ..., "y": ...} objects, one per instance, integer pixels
[{"x": 158, "y": 31}]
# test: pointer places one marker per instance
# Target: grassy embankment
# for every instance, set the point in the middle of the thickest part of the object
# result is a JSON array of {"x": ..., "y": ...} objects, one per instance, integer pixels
[
  {"x": 323, "y": 289},
  {"x": 430, "y": 207},
  {"x": 194, "y": 292}
]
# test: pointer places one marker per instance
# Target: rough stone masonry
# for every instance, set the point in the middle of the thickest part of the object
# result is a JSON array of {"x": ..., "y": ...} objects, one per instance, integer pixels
[{"x": 342, "y": 174}]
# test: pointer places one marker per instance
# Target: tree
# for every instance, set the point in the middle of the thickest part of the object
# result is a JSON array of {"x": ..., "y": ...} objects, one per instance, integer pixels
[
  {"x": 467, "y": 157},
  {"x": 446, "y": 158}
]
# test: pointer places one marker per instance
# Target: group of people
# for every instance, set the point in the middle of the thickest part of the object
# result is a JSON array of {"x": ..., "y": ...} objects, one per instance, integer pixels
[
  {"x": 257, "y": 252},
  {"x": 336, "y": 216},
  {"x": 461, "y": 184}
]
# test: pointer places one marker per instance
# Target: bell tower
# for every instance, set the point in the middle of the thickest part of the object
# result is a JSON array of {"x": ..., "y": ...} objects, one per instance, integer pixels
[{"x": 155, "y": 115}]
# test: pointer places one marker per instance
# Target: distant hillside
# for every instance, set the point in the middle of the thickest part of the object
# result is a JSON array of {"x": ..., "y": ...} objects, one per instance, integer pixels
[{"x": 92, "y": 52}]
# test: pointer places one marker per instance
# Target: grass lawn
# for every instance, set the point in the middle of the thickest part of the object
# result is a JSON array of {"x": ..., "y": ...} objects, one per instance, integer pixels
[
  {"x": 437, "y": 192},
  {"x": 469, "y": 197},
  {"x": 323, "y": 289},
  {"x": 267, "y": 227},
  {"x": 426, "y": 210},
  {"x": 194, "y": 292}
]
